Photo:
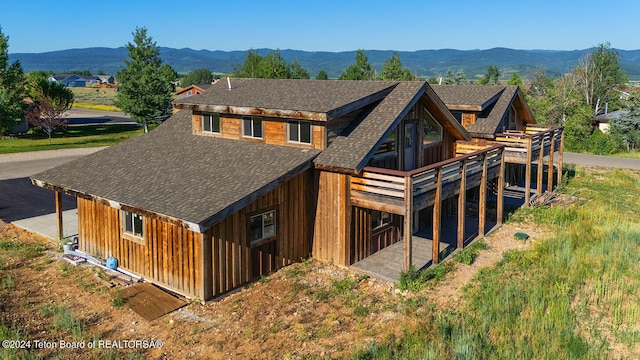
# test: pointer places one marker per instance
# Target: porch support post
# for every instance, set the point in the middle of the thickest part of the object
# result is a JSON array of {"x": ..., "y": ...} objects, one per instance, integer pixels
[
  {"x": 552, "y": 150},
  {"x": 560, "y": 151},
  {"x": 500, "y": 195},
  {"x": 462, "y": 203},
  {"x": 59, "y": 215},
  {"x": 408, "y": 221},
  {"x": 437, "y": 205},
  {"x": 482, "y": 202},
  {"x": 527, "y": 174},
  {"x": 540, "y": 166}
]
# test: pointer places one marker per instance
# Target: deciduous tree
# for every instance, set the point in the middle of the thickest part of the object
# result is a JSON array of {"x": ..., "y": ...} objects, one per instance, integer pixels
[
  {"x": 50, "y": 102},
  {"x": 12, "y": 92},
  {"x": 297, "y": 71},
  {"x": 491, "y": 77},
  {"x": 361, "y": 70},
  {"x": 322, "y": 75},
  {"x": 597, "y": 75},
  {"x": 145, "y": 91},
  {"x": 393, "y": 69},
  {"x": 197, "y": 77}
]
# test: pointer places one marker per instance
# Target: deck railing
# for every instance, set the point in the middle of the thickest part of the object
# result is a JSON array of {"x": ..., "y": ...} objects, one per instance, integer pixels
[
  {"x": 531, "y": 140},
  {"x": 392, "y": 185}
]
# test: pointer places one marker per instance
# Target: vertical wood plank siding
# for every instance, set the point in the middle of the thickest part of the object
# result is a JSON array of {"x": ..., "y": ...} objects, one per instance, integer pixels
[
  {"x": 332, "y": 229},
  {"x": 169, "y": 255},
  {"x": 230, "y": 247}
]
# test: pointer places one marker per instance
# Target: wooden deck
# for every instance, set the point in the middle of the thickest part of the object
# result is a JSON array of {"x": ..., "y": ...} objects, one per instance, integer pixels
[{"x": 387, "y": 263}]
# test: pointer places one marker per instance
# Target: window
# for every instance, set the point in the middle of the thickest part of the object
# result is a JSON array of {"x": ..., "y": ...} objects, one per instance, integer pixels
[
  {"x": 388, "y": 147},
  {"x": 252, "y": 126},
  {"x": 211, "y": 123},
  {"x": 263, "y": 226},
  {"x": 380, "y": 218},
  {"x": 432, "y": 130},
  {"x": 299, "y": 131},
  {"x": 133, "y": 224}
]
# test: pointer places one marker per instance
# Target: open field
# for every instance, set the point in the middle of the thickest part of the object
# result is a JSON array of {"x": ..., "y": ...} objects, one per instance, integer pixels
[
  {"x": 94, "y": 98},
  {"x": 629, "y": 155},
  {"x": 72, "y": 137},
  {"x": 570, "y": 291}
]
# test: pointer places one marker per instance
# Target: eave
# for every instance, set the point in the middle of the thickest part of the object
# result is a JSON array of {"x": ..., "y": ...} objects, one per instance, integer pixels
[{"x": 254, "y": 111}]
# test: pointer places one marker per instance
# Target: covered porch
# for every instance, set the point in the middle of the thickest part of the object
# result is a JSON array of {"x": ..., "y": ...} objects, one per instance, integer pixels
[{"x": 438, "y": 189}]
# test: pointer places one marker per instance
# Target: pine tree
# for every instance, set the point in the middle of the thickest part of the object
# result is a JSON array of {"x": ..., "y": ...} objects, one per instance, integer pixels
[{"x": 145, "y": 91}]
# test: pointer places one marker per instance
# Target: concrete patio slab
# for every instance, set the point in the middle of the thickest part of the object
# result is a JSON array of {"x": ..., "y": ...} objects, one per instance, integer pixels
[{"x": 45, "y": 225}]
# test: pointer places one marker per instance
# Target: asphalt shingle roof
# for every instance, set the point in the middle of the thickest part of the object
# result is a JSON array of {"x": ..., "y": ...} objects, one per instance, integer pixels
[
  {"x": 350, "y": 150},
  {"x": 488, "y": 122},
  {"x": 174, "y": 173},
  {"x": 322, "y": 96}
]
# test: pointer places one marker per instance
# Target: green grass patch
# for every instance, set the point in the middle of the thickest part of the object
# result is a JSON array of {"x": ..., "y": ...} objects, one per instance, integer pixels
[
  {"x": 71, "y": 137},
  {"x": 414, "y": 280},
  {"x": 21, "y": 251},
  {"x": 469, "y": 254}
]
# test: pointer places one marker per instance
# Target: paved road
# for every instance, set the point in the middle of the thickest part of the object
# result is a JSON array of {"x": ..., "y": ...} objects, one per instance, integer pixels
[
  {"x": 601, "y": 161},
  {"x": 19, "y": 199},
  {"x": 77, "y": 117}
]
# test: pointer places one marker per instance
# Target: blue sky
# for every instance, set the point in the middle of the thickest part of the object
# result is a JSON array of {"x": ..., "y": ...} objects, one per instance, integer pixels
[{"x": 323, "y": 25}]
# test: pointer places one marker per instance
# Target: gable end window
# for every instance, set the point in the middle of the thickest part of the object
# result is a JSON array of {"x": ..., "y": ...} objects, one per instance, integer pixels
[
  {"x": 252, "y": 127},
  {"x": 432, "y": 129},
  {"x": 211, "y": 123},
  {"x": 262, "y": 226},
  {"x": 133, "y": 225},
  {"x": 299, "y": 131}
]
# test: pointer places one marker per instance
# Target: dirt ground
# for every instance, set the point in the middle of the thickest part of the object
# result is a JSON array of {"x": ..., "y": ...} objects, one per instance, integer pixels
[{"x": 305, "y": 310}]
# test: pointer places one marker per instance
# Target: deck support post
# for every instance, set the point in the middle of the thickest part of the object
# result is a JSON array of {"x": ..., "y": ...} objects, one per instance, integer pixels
[
  {"x": 58, "y": 196},
  {"x": 408, "y": 221},
  {"x": 552, "y": 150},
  {"x": 500, "y": 194},
  {"x": 482, "y": 201},
  {"x": 462, "y": 204},
  {"x": 540, "y": 166},
  {"x": 560, "y": 151},
  {"x": 527, "y": 174},
  {"x": 437, "y": 210}
]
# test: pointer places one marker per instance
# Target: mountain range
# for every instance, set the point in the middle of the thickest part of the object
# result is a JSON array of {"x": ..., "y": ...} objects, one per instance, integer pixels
[{"x": 424, "y": 63}]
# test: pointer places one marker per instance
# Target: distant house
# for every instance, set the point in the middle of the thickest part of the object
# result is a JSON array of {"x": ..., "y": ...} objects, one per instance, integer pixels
[
  {"x": 106, "y": 79},
  {"x": 191, "y": 90},
  {"x": 603, "y": 121},
  {"x": 74, "y": 80}
]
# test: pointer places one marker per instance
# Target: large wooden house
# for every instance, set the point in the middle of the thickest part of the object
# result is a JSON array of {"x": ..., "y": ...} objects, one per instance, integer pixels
[{"x": 247, "y": 178}]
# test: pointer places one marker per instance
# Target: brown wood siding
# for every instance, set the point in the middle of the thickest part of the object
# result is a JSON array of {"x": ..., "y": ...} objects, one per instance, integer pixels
[
  {"x": 231, "y": 253},
  {"x": 168, "y": 255},
  {"x": 332, "y": 226},
  {"x": 365, "y": 241},
  {"x": 468, "y": 119},
  {"x": 230, "y": 127}
]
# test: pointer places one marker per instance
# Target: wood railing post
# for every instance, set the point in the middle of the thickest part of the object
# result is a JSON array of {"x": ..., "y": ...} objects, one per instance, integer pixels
[
  {"x": 560, "y": 151},
  {"x": 482, "y": 201},
  {"x": 437, "y": 210},
  {"x": 527, "y": 174},
  {"x": 500, "y": 195},
  {"x": 552, "y": 150},
  {"x": 540, "y": 166},
  {"x": 462, "y": 204},
  {"x": 59, "y": 215},
  {"x": 408, "y": 221}
]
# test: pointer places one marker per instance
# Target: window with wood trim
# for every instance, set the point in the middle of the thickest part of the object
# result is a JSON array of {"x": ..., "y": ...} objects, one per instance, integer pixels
[
  {"x": 299, "y": 131},
  {"x": 252, "y": 126},
  {"x": 211, "y": 123},
  {"x": 262, "y": 226},
  {"x": 133, "y": 224},
  {"x": 431, "y": 129}
]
